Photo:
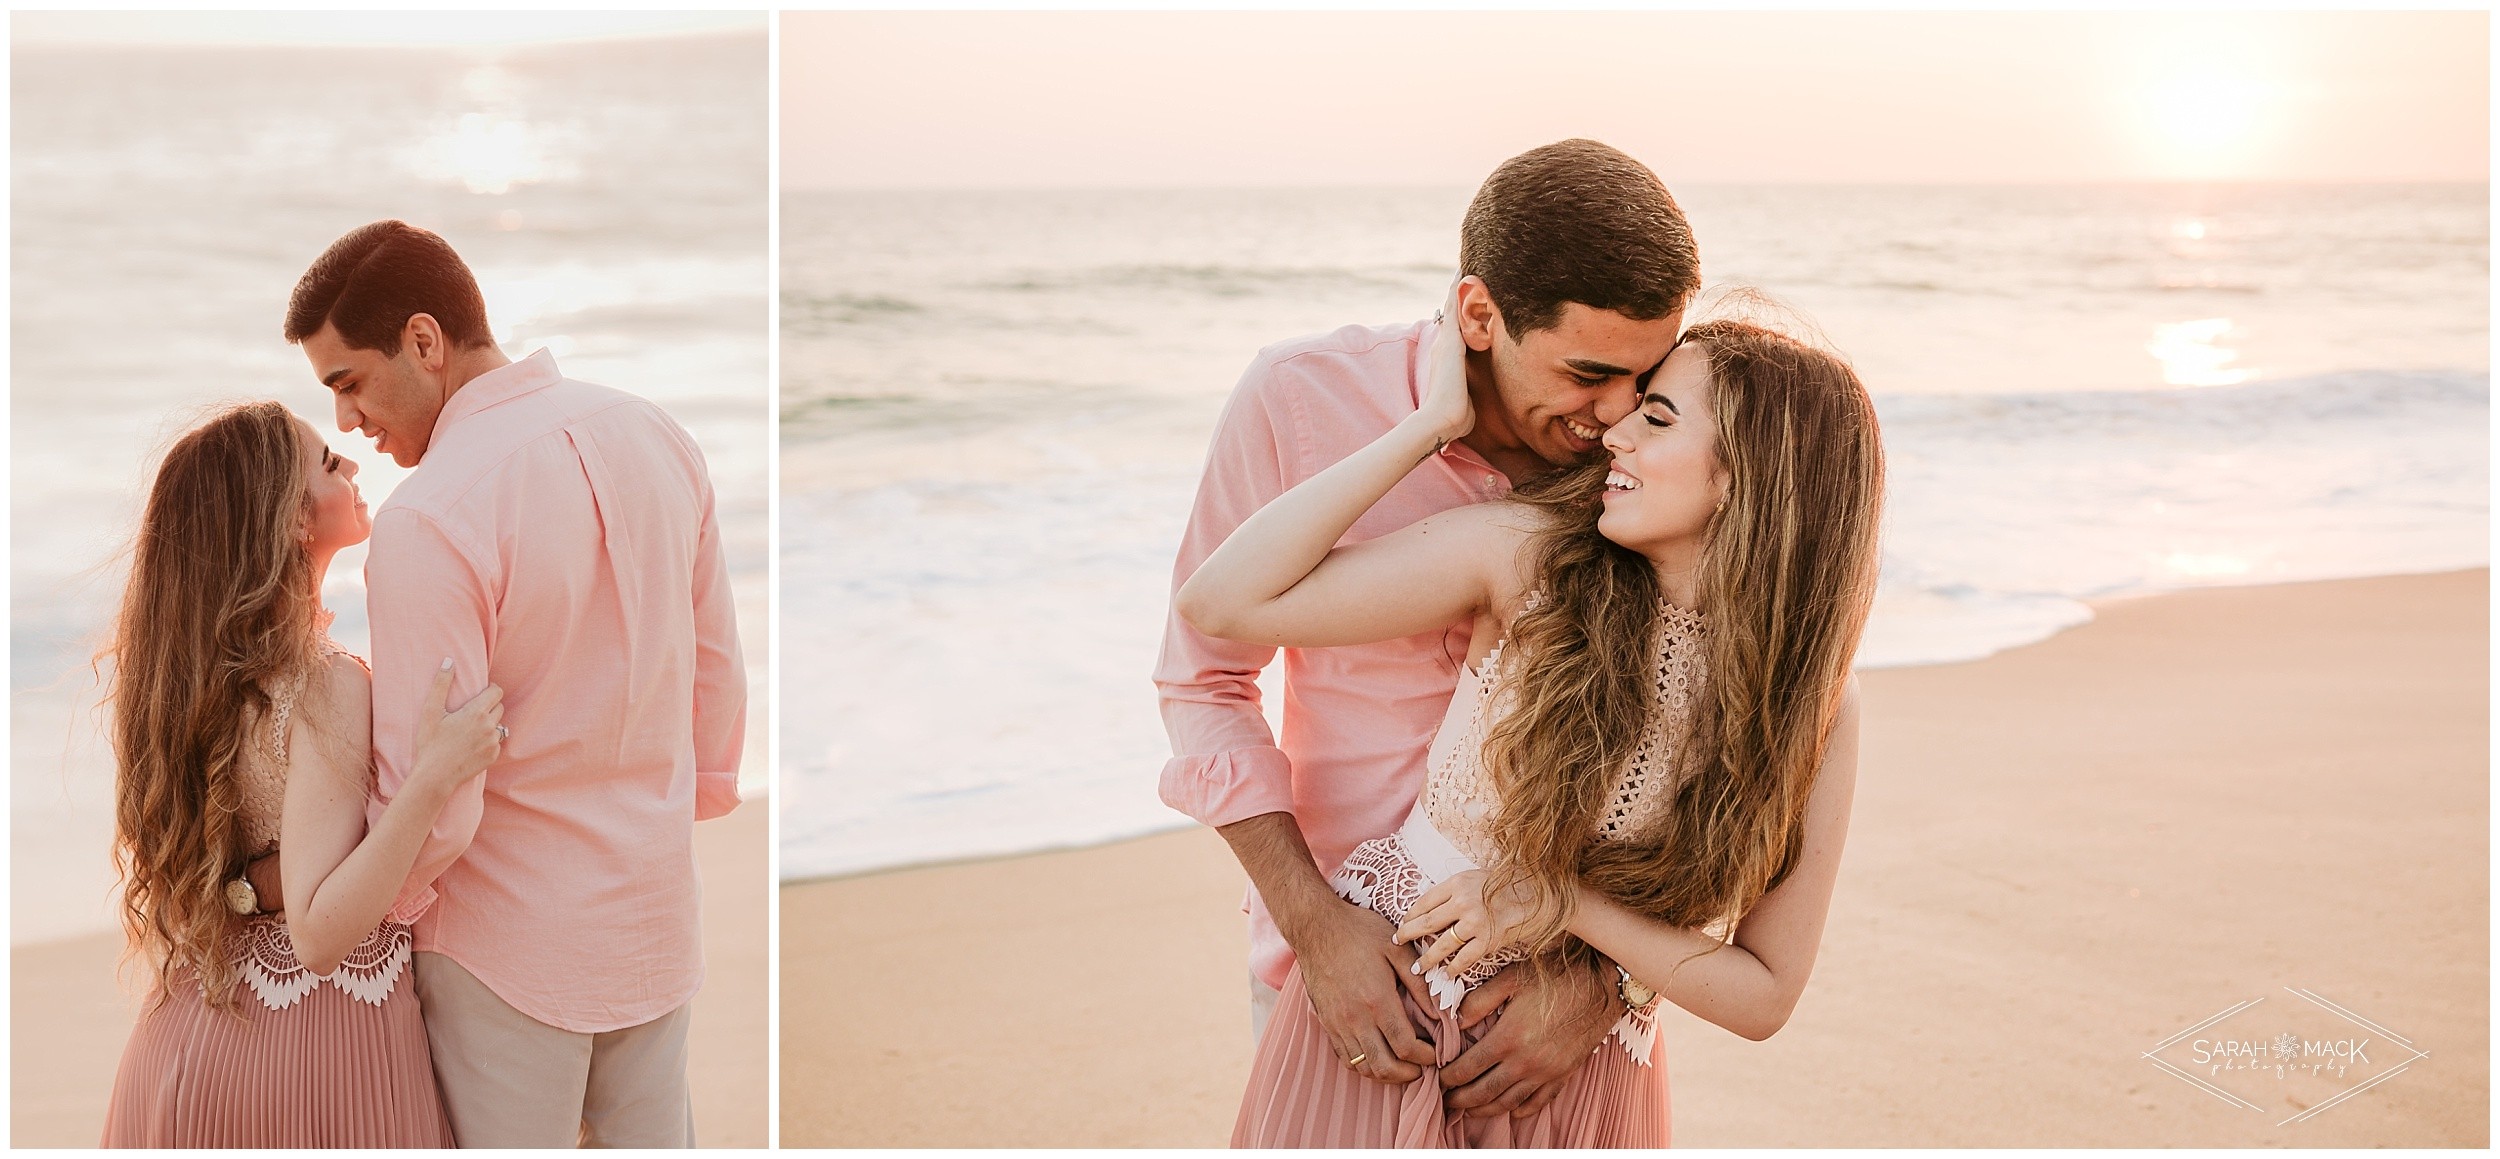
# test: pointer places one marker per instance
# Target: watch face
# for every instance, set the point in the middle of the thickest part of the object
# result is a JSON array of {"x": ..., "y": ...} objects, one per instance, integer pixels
[{"x": 240, "y": 897}]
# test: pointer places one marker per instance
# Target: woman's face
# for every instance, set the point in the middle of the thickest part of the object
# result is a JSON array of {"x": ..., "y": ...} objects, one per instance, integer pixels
[
  {"x": 338, "y": 516},
  {"x": 1667, "y": 479}
]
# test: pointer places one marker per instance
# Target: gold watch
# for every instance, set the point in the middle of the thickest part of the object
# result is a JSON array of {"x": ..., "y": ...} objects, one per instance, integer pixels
[
  {"x": 1634, "y": 994},
  {"x": 243, "y": 899}
]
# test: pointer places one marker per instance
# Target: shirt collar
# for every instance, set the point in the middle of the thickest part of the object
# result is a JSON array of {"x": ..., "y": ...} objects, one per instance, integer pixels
[{"x": 502, "y": 384}]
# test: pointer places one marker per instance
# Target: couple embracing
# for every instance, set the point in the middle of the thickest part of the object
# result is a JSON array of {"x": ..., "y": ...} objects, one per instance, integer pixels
[
  {"x": 1569, "y": 594},
  {"x": 446, "y": 897}
]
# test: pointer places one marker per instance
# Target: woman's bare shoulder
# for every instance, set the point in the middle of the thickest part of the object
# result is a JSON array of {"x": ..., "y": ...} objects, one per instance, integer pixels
[
  {"x": 1498, "y": 533},
  {"x": 345, "y": 702}
]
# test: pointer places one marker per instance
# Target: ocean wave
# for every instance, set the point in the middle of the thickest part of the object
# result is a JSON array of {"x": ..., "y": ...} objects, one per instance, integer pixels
[
  {"x": 2417, "y": 399},
  {"x": 1216, "y": 280}
]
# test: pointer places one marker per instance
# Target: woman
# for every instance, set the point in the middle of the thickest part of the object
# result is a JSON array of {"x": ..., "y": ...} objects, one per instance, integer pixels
[
  {"x": 1653, "y": 741},
  {"x": 238, "y": 729}
]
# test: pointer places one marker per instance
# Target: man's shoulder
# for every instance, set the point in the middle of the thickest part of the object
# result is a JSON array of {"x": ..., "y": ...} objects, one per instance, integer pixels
[
  {"x": 582, "y": 400},
  {"x": 1377, "y": 357}
]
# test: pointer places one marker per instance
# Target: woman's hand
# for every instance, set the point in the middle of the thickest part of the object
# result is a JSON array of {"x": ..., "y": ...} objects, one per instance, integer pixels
[
  {"x": 1445, "y": 406},
  {"x": 1477, "y": 925},
  {"x": 454, "y": 745}
]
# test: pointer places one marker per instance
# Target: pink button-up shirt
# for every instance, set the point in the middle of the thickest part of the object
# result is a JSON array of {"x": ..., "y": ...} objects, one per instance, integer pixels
[
  {"x": 558, "y": 540},
  {"x": 1357, "y": 719}
]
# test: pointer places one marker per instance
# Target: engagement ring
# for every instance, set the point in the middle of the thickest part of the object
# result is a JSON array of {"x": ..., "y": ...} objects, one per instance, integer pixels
[{"x": 502, "y": 733}]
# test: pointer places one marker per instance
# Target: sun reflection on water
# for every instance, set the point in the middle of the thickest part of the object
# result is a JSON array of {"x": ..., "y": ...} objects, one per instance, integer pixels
[
  {"x": 496, "y": 147},
  {"x": 2191, "y": 353}
]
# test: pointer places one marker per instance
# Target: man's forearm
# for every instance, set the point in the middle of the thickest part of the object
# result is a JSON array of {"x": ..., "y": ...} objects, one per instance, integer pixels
[
  {"x": 268, "y": 882},
  {"x": 1273, "y": 853}
]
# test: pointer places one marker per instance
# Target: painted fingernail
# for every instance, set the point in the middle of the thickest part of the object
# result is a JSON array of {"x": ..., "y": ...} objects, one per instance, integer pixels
[{"x": 446, "y": 663}]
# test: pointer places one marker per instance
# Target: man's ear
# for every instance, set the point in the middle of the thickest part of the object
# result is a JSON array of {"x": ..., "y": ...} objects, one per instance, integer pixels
[
  {"x": 1478, "y": 318},
  {"x": 422, "y": 338}
]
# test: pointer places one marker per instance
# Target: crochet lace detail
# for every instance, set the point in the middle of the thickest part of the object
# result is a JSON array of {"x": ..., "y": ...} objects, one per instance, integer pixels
[
  {"x": 264, "y": 768},
  {"x": 1459, "y": 799},
  {"x": 1381, "y": 876},
  {"x": 1639, "y": 792},
  {"x": 264, "y": 953},
  {"x": 265, "y": 960}
]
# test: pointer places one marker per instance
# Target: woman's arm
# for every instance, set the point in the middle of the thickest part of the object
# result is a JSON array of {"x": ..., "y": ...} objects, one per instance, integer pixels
[
  {"x": 339, "y": 878},
  {"x": 1280, "y": 580},
  {"x": 1749, "y": 986}
]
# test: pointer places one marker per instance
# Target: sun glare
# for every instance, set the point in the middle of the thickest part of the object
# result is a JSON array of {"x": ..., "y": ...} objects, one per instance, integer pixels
[
  {"x": 2206, "y": 103},
  {"x": 2207, "y": 111}
]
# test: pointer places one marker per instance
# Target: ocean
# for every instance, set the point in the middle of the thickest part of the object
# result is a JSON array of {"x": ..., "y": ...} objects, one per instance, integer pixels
[
  {"x": 612, "y": 198},
  {"x": 995, "y": 406}
]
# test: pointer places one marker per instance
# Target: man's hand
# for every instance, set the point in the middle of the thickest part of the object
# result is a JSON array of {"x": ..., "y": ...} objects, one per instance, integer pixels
[
  {"x": 1354, "y": 975},
  {"x": 267, "y": 883},
  {"x": 1350, "y": 968},
  {"x": 1544, "y": 1031}
]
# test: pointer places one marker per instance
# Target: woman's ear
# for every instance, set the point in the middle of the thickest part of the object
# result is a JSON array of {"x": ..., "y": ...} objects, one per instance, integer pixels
[{"x": 1478, "y": 318}]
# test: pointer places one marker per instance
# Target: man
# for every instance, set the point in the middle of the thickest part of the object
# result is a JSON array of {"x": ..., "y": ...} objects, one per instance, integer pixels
[
  {"x": 1587, "y": 267},
  {"x": 557, "y": 539}
]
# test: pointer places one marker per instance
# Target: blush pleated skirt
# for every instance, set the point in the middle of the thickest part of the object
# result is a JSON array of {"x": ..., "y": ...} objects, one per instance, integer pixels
[
  {"x": 327, "y": 1070},
  {"x": 1301, "y": 1095}
]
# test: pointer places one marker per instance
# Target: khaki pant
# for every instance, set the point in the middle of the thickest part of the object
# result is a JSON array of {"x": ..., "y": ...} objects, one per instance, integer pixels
[{"x": 509, "y": 1080}]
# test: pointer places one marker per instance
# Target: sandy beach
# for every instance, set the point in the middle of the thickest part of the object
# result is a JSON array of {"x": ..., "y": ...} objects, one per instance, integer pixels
[
  {"x": 69, "y": 1018},
  {"x": 2060, "y": 856}
]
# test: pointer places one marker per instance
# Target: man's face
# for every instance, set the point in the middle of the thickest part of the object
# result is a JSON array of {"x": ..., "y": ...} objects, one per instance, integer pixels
[
  {"x": 1561, "y": 387},
  {"x": 391, "y": 399}
]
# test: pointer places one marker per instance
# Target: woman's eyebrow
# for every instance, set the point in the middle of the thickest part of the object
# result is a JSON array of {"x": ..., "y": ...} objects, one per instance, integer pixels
[{"x": 1664, "y": 401}]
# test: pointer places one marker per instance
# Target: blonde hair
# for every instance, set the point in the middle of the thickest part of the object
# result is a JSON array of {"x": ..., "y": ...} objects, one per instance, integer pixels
[
  {"x": 220, "y": 607},
  {"x": 1786, "y": 576}
]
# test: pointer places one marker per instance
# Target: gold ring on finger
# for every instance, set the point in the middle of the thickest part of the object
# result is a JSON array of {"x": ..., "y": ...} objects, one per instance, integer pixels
[{"x": 1357, "y": 1060}]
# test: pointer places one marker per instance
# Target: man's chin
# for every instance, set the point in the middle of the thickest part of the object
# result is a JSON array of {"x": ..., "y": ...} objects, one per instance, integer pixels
[{"x": 1562, "y": 455}]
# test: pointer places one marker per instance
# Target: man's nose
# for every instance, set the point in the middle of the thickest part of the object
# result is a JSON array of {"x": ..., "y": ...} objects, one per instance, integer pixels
[
  {"x": 1620, "y": 398},
  {"x": 346, "y": 415}
]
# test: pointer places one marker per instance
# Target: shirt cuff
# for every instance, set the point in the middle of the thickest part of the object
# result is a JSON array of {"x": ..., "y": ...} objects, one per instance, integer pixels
[
  {"x": 1235, "y": 785},
  {"x": 715, "y": 794},
  {"x": 412, "y": 906}
]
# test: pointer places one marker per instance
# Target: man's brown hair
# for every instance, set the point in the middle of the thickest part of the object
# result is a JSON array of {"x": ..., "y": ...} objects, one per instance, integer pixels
[
  {"x": 1578, "y": 221},
  {"x": 370, "y": 282}
]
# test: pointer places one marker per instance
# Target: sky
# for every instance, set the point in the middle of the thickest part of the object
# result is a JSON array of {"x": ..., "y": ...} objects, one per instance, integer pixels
[
  {"x": 1109, "y": 100},
  {"x": 361, "y": 28}
]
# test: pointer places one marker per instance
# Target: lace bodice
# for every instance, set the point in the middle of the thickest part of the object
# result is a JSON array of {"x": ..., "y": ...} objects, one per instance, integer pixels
[
  {"x": 262, "y": 775},
  {"x": 1459, "y": 796}
]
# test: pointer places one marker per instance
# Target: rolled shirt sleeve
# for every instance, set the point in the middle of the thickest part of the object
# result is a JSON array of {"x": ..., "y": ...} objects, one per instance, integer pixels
[{"x": 1226, "y": 766}]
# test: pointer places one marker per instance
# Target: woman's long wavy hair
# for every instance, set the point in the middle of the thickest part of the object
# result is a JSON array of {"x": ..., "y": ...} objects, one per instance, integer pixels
[
  {"x": 220, "y": 608},
  {"x": 1787, "y": 572}
]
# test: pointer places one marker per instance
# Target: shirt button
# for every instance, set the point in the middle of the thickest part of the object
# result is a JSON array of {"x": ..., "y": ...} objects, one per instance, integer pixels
[{"x": 1492, "y": 480}]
